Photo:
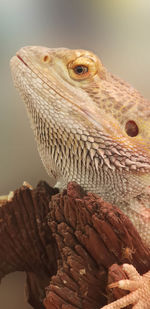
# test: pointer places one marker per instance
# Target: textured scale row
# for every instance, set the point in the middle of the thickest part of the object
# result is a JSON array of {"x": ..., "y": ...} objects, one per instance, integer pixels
[{"x": 79, "y": 124}]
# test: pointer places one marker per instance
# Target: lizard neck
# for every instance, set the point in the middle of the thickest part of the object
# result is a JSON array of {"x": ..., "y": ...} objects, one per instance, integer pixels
[{"x": 82, "y": 158}]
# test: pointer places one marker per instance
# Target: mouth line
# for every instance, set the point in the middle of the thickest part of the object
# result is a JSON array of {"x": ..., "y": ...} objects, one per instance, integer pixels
[
  {"x": 19, "y": 57},
  {"x": 83, "y": 110}
]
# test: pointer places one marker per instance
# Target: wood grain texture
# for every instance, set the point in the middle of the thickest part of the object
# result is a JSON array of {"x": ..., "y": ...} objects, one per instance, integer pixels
[{"x": 67, "y": 243}]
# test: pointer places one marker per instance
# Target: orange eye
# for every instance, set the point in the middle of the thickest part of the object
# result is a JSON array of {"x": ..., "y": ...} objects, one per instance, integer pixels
[
  {"x": 82, "y": 68},
  {"x": 131, "y": 128}
]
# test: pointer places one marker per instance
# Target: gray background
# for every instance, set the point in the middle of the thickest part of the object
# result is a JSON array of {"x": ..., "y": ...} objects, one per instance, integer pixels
[{"x": 118, "y": 31}]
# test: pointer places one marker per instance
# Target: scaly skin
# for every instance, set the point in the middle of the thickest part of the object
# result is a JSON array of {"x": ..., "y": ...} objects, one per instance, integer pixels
[{"x": 90, "y": 126}]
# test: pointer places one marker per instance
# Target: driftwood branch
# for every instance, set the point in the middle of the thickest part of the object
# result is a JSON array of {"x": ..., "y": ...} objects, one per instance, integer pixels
[{"x": 70, "y": 245}]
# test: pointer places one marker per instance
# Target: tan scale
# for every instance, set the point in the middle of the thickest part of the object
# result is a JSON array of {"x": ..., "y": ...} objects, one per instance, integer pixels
[{"x": 90, "y": 126}]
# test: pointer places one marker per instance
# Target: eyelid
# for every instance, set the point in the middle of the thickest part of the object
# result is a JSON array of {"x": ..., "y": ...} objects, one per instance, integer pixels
[
  {"x": 86, "y": 61},
  {"x": 82, "y": 61}
]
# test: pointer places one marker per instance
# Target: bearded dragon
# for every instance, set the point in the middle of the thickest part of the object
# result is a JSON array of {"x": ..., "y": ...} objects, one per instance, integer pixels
[{"x": 92, "y": 128}]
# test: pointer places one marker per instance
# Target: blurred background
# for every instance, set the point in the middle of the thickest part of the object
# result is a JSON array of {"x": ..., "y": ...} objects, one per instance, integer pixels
[{"x": 117, "y": 31}]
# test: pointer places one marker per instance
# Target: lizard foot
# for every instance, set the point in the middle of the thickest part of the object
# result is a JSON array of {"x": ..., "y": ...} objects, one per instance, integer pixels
[{"x": 139, "y": 287}]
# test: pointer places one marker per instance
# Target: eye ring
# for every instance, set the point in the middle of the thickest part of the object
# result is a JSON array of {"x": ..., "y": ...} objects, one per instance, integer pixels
[
  {"x": 82, "y": 68},
  {"x": 131, "y": 128}
]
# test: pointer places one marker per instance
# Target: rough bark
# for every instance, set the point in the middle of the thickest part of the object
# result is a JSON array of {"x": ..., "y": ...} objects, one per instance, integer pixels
[{"x": 70, "y": 245}]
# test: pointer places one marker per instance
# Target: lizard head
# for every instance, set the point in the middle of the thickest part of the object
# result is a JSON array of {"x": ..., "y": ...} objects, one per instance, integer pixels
[{"x": 87, "y": 111}]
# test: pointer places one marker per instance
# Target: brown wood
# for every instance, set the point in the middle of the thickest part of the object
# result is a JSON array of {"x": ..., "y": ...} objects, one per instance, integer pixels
[{"x": 69, "y": 244}]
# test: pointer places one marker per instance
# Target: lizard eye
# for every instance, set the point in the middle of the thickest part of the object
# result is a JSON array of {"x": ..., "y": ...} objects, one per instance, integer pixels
[
  {"x": 82, "y": 68},
  {"x": 131, "y": 128}
]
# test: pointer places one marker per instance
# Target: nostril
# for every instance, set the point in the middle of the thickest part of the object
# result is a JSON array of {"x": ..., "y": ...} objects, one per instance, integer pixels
[
  {"x": 131, "y": 128},
  {"x": 46, "y": 58}
]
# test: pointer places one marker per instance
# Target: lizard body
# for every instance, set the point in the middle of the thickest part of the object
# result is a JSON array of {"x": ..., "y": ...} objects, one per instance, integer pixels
[{"x": 90, "y": 126}]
